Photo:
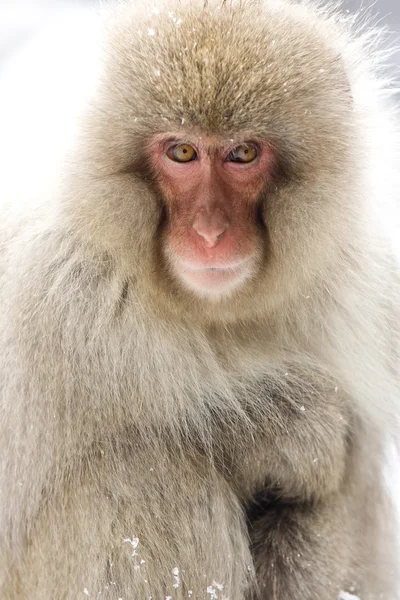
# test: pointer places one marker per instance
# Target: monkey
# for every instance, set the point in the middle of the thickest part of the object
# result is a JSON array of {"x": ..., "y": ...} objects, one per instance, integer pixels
[{"x": 199, "y": 325}]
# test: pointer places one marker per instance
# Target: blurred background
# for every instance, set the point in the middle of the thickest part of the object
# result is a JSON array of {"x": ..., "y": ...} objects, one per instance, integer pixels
[{"x": 22, "y": 19}]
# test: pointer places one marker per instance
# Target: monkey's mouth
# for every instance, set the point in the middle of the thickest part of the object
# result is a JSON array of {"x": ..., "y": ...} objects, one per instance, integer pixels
[
  {"x": 214, "y": 281},
  {"x": 214, "y": 269}
]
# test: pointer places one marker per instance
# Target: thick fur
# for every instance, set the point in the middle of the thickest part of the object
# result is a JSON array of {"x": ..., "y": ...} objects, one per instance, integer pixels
[{"x": 154, "y": 444}]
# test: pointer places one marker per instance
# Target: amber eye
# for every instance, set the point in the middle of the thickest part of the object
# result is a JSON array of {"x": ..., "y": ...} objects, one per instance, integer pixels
[
  {"x": 182, "y": 153},
  {"x": 244, "y": 153}
]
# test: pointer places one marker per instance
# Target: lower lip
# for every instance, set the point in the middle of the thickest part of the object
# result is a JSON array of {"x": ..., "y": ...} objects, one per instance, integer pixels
[{"x": 214, "y": 280}]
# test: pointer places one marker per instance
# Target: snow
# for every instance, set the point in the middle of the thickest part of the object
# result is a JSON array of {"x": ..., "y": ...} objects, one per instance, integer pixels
[{"x": 347, "y": 596}]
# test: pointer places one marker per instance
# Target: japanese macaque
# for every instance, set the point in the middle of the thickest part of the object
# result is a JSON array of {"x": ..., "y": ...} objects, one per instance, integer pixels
[{"x": 199, "y": 338}]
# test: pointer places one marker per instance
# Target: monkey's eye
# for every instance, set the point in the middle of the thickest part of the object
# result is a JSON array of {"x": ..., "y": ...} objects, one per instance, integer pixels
[
  {"x": 244, "y": 153},
  {"x": 182, "y": 153}
]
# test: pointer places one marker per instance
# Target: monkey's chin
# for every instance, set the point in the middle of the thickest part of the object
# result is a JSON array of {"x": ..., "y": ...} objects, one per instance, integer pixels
[{"x": 214, "y": 283}]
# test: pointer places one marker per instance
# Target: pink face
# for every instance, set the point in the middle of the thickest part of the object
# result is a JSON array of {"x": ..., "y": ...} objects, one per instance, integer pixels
[{"x": 211, "y": 188}]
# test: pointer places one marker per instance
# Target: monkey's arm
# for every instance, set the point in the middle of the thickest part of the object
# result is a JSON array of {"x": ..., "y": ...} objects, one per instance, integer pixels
[
  {"x": 316, "y": 527},
  {"x": 316, "y": 549}
]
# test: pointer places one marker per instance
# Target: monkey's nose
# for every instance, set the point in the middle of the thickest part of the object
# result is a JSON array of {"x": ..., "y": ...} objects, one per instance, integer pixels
[{"x": 210, "y": 227}]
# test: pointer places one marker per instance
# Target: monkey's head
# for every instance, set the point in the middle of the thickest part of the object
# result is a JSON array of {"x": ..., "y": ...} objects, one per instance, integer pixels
[{"x": 219, "y": 153}]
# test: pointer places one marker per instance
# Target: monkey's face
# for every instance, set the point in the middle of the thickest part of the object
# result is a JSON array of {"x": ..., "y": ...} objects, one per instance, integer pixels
[
  {"x": 211, "y": 188},
  {"x": 222, "y": 155}
]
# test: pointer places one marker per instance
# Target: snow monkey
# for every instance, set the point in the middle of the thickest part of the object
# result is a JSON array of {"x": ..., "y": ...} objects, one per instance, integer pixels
[{"x": 198, "y": 334}]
